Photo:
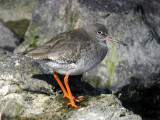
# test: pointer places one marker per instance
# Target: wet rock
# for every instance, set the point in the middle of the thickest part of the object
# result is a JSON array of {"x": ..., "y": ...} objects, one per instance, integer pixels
[
  {"x": 8, "y": 40},
  {"x": 143, "y": 101},
  {"x": 27, "y": 91}
]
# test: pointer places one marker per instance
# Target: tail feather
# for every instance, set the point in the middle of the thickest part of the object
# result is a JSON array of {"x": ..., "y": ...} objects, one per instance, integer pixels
[{"x": 38, "y": 53}]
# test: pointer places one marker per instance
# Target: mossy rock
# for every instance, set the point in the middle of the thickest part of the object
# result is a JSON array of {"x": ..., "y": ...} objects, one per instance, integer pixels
[{"x": 18, "y": 27}]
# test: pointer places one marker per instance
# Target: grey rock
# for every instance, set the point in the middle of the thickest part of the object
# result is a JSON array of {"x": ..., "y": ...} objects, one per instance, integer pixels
[
  {"x": 104, "y": 107},
  {"x": 25, "y": 96},
  {"x": 127, "y": 70},
  {"x": 140, "y": 59},
  {"x": 51, "y": 17},
  {"x": 12, "y": 10},
  {"x": 16, "y": 15},
  {"x": 142, "y": 101},
  {"x": 151, "y": 12},
  {"x": 124, "y": 21},
  {"x": 8, "y": 40},
  {"x": 20, "y": 94}
]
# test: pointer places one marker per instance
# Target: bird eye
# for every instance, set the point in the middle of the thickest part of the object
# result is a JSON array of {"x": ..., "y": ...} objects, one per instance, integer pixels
[{"x": 99, "y": 32}]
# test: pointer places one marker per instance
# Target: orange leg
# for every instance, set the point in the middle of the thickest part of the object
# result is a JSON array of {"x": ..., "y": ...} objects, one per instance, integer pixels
[
  {"x": 72, "y": 102},
  {"x": 67, "y": 93},
  {"x": 60, "y": 84},
  {"x": 68, "y": 88}
]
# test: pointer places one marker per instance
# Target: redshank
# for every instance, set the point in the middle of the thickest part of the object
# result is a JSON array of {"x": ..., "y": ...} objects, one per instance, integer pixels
[{"x": 73, "y": 53}]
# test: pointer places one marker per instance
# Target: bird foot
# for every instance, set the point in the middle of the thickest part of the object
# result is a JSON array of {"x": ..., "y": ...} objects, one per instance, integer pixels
[
  {"x": 67, "y": 93},
  {"x": 73, "y": 104},
  {"x": 75, "y": 99}
]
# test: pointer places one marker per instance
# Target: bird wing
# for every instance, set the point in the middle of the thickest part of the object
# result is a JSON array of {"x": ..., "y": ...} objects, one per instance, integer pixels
[{"x": 66, "y": 47}]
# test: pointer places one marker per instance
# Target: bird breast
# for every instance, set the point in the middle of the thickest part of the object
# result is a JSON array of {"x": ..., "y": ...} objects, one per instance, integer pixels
[{"x": 92, "y": 58}]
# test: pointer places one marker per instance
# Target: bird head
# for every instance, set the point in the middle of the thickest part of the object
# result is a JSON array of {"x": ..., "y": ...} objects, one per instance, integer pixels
[{"x": 100, "y": 33}]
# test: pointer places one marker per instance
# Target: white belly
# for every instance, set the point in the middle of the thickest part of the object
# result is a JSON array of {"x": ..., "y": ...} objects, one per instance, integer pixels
[{"x": 84, "y": 64}]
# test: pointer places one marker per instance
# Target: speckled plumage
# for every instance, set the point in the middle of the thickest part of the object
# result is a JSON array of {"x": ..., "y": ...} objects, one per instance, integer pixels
[{"x": 74, "y": 51}]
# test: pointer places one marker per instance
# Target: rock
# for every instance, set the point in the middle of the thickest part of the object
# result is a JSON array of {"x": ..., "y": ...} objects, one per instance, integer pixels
[
  {"x": 124, "y": 21},
  {"x": 104, "y": 107},
  {"x": 52, "y": 17},
  {"x": 13, "y": 10},
  {"x": 134, "y": 22},
  {"x": 139, "y": 60},
  {"x": 8, "y": 40},
  {"x": 18, "y": 27},
  {"x": 151, "y": 13},
  {"x": 142, "y": 100},
  {"x": 16, "y": 15},
  {"x": 27, "y": 91}
]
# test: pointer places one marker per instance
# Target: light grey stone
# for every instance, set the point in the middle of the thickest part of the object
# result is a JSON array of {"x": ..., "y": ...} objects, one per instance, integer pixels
[
  {"x": 25, "y": 96},
  {"x": 8, "y": 40},
  {"x": 13, "y": 10}
]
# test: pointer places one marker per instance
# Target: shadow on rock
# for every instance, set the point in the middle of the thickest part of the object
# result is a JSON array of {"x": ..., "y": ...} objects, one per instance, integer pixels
[
  {"x": 78, "y": 87},
  {"x": 142, "y": 100}
]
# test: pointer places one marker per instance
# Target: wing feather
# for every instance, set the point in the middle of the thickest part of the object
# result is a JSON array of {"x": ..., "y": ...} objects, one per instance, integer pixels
[{"x": 66, "y": 47}]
